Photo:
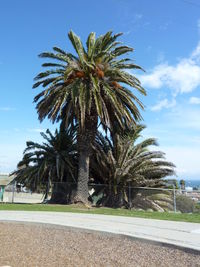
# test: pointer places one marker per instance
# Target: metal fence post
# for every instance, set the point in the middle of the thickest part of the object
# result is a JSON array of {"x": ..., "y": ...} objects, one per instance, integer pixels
[
  {"x": 129, "y": 195},
  {"x": 13, "y": 191},
  {"x": 174, "y": 193}
]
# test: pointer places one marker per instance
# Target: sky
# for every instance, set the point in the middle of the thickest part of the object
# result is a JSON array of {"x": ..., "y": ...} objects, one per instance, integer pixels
[{"x": 166, "y": 37}]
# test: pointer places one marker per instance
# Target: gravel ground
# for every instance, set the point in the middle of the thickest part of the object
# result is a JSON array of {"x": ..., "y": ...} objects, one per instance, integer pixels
[{"x": 34, "y": 245}]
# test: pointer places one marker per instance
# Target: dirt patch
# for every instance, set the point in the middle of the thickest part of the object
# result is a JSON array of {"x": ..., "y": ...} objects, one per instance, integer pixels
[{"x": 28, "y": 245}]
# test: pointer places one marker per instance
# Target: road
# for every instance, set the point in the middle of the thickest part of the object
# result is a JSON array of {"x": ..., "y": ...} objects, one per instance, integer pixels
[{"x": 176, "y": 233}]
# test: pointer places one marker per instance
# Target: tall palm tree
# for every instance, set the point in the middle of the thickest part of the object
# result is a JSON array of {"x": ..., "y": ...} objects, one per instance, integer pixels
[
  {"x": 89, "y": 87},
  {"x": 51, "y": 163},
  {"x": 127, "y": 161}
]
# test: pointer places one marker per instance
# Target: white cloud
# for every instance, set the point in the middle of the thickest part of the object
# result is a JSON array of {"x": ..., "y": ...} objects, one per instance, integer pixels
[
  {"x": 194, "y": 100},
  {"x": 183, "y": 77},
  {"x": 165, "y": 103}
]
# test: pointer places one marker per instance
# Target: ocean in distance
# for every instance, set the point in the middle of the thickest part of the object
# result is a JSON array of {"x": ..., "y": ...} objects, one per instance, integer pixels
[{"x": 192, "y": 183}]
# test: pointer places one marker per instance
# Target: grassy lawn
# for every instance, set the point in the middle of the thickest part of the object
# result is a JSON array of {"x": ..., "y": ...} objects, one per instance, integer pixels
[{"x": 195, "y": 217}]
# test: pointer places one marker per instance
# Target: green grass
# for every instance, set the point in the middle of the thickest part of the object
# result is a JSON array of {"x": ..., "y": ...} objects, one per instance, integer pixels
[{"x": 195, "y": 217}]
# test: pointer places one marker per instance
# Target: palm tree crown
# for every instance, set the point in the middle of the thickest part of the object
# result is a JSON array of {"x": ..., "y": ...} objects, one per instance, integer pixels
[
  {"x": 52, "y": 161},
  {"x": 129, "y": 161},
  {"x": 95, "y": 81}
]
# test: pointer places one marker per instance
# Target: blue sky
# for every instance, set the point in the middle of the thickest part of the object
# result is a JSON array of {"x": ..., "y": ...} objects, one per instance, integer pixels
[{"x": 166, "y": 38}]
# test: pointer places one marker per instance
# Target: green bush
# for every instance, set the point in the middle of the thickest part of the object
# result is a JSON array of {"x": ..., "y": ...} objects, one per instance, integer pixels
[
  {"x": 184, "y": 204},
  {"x": 197, "y": 208}
]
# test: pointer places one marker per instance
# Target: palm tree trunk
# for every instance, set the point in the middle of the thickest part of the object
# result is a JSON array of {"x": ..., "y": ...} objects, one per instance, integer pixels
[
  {"x": 47, "y": 187},
  {"x": 83, "y": 177},
  {"x": 47, "y": 191},
  {"x": 85, "y": 140},
  {"x": 59, "y": 194}
]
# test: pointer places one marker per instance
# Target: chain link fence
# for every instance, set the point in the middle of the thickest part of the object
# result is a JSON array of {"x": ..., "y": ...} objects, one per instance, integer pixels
[
  {"x": 14, "y": 193},
  {"x": 151, "y": 199},
  {"x": 135, "y": 198}
]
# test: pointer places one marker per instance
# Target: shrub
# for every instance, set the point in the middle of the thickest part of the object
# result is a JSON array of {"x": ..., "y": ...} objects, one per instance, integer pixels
[
  {"x": 197, "y": 208},
  {"x": 184, "y": 204}
]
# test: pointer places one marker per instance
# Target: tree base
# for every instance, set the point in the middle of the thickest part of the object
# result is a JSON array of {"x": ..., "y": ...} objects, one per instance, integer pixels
[{"x": 80, "y": 201}]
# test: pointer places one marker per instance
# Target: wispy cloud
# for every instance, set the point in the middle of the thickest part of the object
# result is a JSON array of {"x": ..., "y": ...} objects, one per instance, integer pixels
[
  {"x": 16, "y": 129},
  {"x": 183, "y": 77},
  {"x": 194, "y": 100},
  {"x": 10, "y": 155},
  {"x": 186, "y": 160},
  {"x": 165, "y": 103},
  {"x": 160, "y": 57},
  {"x": 36, "y": 130},
  {"x": 127, "y": 32},
  {"x": 138, "y": 16},
  {"x": 135, "y": 23},
  {"x": 177, "y": 131},
  {"x": 198, "y": 25},
  {"x": 6, "y": 109},
  {"x": 165, "y": 25},
  {"x": 184, "y": 118}
]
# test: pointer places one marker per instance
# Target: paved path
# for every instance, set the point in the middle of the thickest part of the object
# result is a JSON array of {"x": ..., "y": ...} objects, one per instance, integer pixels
[{"x": 177, "y": 233}]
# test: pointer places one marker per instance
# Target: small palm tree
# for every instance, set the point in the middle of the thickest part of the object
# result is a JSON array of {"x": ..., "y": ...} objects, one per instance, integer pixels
[
  {"x": 127, "y": 162},
  {"x": 88, "y": 87},
  {"x": 182, "y": 184},
  {"x": 52, "y": 162}
]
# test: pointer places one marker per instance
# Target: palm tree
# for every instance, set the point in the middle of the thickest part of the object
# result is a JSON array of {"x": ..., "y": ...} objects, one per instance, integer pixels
[
  {"x": 182, "y": 184},
  {"x": 127, "y": 162},
  {"x": 51, "y": 163},
  {"x": 89, "y": 87}
]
